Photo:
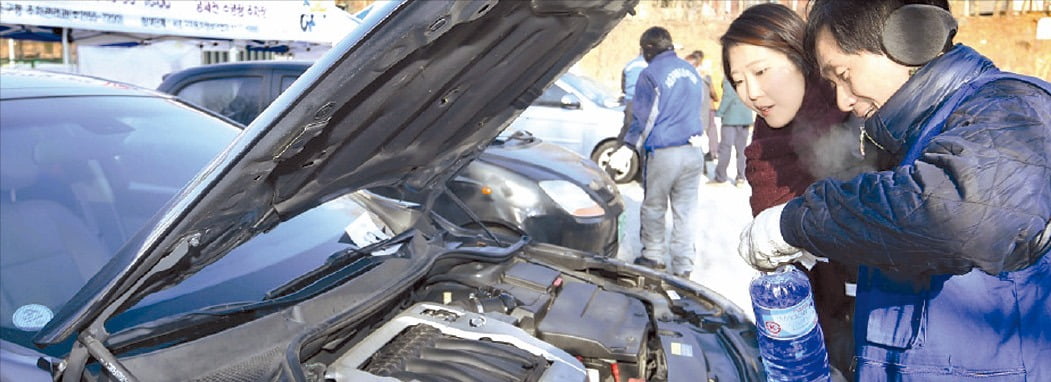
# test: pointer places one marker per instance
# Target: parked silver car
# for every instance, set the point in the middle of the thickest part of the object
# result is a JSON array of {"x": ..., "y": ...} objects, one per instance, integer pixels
[{"x": 578, "y": 113}]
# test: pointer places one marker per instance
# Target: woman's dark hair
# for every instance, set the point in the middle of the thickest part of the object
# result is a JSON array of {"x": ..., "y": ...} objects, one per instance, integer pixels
[
  {"x": 654, "y": 41},
  {"x": 772, "y": 26},
  {"x": 856, "y": 25}
]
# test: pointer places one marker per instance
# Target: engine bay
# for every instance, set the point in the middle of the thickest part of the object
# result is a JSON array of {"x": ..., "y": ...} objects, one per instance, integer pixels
[
  {"x": 468, "y": 311},
  {"x": 528, "y": 320}
]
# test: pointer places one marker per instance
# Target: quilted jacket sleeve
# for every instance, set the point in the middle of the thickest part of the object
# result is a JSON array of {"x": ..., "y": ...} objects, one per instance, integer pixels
[{"x": 979, "y": 196}]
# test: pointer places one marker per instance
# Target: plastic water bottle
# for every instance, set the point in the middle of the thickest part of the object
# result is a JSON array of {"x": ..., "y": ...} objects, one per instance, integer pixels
[{"x": 790, "y": 341}]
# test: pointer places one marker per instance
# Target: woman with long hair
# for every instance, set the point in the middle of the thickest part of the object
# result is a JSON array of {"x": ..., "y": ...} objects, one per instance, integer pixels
[{"x": 800, "y": 136}]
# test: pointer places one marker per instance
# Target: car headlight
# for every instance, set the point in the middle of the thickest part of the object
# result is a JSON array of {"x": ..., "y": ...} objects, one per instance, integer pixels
[{"x": 571, "y": 198}]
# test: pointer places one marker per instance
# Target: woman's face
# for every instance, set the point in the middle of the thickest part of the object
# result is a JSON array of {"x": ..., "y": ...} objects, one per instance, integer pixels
[{"x": 768, "y": 82}]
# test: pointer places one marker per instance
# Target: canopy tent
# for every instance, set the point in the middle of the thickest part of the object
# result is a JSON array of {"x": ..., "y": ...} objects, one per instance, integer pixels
[
  {"x": 103, "y": 22},
  {"x": 158, "y": 26}
]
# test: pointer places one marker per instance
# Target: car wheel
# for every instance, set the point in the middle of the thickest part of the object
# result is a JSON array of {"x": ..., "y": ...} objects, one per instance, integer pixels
[{"x": 622, "y": 174}]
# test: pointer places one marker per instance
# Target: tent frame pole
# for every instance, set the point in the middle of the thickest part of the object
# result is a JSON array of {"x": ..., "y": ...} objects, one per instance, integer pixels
[{"x": 65, "y": 47}]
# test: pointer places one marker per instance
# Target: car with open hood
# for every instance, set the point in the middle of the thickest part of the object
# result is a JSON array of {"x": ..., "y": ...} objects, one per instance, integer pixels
[
  {"x": 519, "y": 183},
  {"x": 404, "y": 102}
]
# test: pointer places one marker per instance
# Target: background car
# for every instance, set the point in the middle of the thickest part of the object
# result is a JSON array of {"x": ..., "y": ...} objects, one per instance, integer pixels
[
  {"x": 519, "y": 182},
  {"x": 578, "y": 113}
]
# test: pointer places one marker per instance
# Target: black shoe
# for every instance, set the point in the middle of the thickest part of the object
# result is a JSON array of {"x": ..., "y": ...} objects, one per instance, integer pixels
[{"x": 649, "y": 263}]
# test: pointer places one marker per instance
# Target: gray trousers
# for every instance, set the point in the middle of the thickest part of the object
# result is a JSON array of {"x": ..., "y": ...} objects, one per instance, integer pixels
[
  {"x": 672, "y": 174},
  {"x": 735, "y": 137},
  {"x": 712, "y": 131}
]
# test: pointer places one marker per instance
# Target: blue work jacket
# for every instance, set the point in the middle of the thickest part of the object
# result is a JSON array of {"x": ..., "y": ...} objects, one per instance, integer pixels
[
  {"x": 666, "y": 110},
  {"x": 952, "y": 243}
]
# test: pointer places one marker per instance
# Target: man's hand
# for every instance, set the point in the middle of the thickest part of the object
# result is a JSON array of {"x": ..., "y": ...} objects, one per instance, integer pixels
[
  {"x": 762, "y": 246},
  {"x": 621, "y": 157}
]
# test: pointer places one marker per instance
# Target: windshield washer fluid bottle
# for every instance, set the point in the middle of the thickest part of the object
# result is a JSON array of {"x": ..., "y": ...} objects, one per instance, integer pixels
[{"x": 791, "y": 344}]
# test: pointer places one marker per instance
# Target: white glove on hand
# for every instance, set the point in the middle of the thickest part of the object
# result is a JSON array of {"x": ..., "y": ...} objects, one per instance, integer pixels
[
  {"x": 697, "y": 141},
  {"x": 621, "y": 158},
  {"x": 762, "y": 246}
]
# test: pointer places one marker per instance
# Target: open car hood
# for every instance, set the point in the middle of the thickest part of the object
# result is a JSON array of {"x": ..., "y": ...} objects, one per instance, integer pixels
[{"x": 407, "y": 99}]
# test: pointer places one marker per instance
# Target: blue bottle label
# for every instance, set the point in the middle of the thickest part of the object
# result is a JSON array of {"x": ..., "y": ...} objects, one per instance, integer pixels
[{"x": 787, "y": 323}]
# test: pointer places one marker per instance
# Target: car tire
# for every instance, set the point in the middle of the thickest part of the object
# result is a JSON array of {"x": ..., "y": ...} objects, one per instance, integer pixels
[{"x": 620, "y": 175}]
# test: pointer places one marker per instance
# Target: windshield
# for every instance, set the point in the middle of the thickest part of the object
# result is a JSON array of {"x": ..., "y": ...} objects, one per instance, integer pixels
[
  {"x": 265, "y": 262},
  {"x": 591, "y": 89},
  {"x": 76, "y": 185},
  {"x": 79, "y": 176}
]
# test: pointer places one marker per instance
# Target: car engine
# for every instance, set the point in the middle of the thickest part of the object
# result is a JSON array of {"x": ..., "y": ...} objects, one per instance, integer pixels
[
  {"x": 527, "y": 321},
  {"x": 432, "y": 342},
  {"x": 469, "y": 311}
]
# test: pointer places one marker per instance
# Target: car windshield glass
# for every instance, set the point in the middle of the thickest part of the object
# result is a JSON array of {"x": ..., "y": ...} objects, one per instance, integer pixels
[
  {"x": 238, "y": 98},
  {"x": 253, "y": 269},
  {"x": 80, "y": 175},
  {"x": 591, "y": 89}
]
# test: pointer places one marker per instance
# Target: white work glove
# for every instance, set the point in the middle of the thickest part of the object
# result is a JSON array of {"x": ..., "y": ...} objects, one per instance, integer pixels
[
  {"x": 698, "y": 141},
  {"x": 621, "y": 158},
  {"x": 762, "y": 246}
]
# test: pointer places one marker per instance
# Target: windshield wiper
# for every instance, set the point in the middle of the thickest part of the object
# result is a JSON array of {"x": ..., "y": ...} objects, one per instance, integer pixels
[
  {"x": 522, "y": 135},
  {"x": 217, "y": 318},
  {"x": 197, "y": 323},
  {"x": 337, "y": 265}
]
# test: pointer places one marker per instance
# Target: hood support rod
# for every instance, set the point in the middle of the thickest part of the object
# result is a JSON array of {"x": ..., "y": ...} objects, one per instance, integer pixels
[
  {"x": 88, "y": 340},
  {"x": 470, "y": 214}
]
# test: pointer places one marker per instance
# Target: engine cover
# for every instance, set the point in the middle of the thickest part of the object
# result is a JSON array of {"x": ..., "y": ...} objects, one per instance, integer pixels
[
  {"x": 591, "y": 322},
  {"x": 428, "y": 338}
]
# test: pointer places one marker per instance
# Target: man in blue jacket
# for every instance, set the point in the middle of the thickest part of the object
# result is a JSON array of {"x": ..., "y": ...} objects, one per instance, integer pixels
[
  {"x": 665, "y": 116},
  {"x": 628, "y": 77},
  {"x": 952, "y": 238}
]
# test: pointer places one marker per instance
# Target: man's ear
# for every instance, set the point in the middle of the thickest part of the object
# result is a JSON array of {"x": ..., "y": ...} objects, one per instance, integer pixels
[{"x": 917, "y": 33}]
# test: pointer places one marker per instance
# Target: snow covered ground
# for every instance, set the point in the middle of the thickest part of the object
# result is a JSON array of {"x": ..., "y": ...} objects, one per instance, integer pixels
[{"x": 723, "y": 212}]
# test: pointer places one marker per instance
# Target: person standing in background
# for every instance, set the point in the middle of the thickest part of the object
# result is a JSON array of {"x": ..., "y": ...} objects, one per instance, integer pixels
[
  {"x": 736, "y": 119},
  {"x": 666, "y": 115},
  {"x": 696, "y": 58},
  {"x": 628, "y": 77},
  {"x": 621, "y": 158}
]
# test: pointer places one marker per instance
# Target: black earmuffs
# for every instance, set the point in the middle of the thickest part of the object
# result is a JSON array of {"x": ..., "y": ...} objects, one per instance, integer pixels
[{"x": 917, "y": 33}]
